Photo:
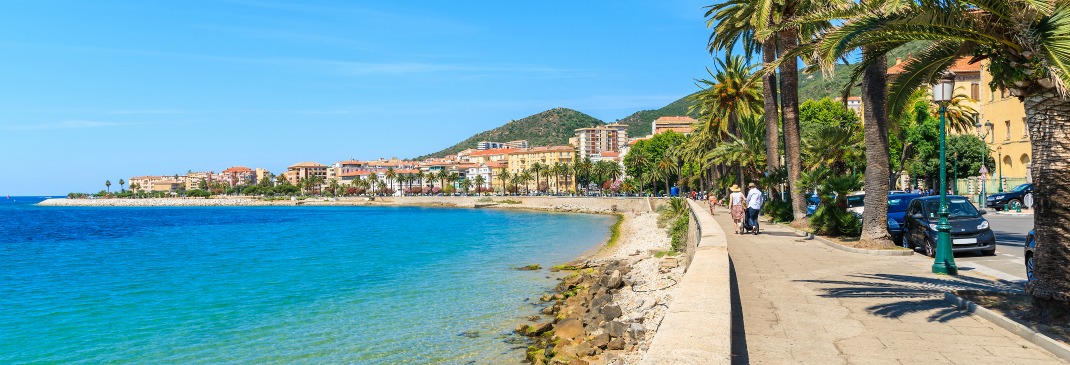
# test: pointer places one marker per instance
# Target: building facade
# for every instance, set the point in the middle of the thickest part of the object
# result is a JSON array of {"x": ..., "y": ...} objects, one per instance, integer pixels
[
  {"x": 238, "y": 175},
  {"x": 591, "y": 142},
  {"x": 678, "y": 124},
  {"x": 1003, "y": 118}
]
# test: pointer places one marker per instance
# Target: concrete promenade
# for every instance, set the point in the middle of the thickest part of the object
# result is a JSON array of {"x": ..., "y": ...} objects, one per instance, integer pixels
[{"x": 798, "y": 301}]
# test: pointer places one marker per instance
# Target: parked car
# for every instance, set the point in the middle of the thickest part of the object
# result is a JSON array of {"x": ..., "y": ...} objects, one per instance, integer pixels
[
  {"x": 856, "y": 203},
  {"x": 1011, "y": 198},
  {"x": 969, "y": 231},
  {"x": 1030, "y": 247},
  {"x": 897, "y": 209}
]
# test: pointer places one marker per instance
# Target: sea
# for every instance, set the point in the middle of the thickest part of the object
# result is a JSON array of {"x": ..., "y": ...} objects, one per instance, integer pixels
[{"x": 269, "y": 285}]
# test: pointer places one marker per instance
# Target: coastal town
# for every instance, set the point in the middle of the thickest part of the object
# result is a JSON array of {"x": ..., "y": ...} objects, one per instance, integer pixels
[{"x": 487, "y": 167}]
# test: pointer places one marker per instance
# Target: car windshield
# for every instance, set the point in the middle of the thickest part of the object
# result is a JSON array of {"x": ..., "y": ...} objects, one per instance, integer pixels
[
  {"x": 855, "y": 201},
  {"x": 1020, "y": 188},
  {"x": 958, "y": 207},
  {"x": 896, "y": 205}
]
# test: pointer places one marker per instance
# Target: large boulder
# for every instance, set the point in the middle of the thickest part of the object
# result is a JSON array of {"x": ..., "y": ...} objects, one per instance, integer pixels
[
  {"x": 600, "y": 341},
  {"x": 569, "y": 329},
  {"x": 612, "y": 280},
  {"x": 616, "y": 329},
  {"x": 611, "y": 312}
]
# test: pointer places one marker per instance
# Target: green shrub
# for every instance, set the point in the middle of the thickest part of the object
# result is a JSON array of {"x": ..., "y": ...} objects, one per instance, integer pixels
[{"x": 780, "y": 211}]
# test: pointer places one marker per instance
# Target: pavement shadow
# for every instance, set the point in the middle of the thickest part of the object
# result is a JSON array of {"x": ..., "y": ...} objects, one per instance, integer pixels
[
  {"x": 919, "y": 294},
  {"x": 740, "y": 354}
]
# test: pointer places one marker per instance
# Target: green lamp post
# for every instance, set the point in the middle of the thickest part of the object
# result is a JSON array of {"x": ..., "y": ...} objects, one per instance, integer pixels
[
  {"x": 999, "y": 153},
  {"x": 945, "y": 258}
]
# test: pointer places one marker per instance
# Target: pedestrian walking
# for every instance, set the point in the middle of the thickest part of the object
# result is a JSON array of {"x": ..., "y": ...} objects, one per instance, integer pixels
[
  {"x": 736, "y": 201},
  {"x": 755, "y": 200},
  {"x": 712, "y": 202}
]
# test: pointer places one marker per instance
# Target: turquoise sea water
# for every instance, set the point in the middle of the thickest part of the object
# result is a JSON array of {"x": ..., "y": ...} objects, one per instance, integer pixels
[{"x": 360, "y": 285}]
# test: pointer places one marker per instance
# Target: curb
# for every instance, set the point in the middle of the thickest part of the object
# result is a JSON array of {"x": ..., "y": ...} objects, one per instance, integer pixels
[
  {"x": 811, "y": 236},
  {"x": 1057, "y": 348}
]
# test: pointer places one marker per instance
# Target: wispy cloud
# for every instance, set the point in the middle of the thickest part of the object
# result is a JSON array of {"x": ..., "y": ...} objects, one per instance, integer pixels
[
  {"x": 145, "y": 111},
  {"x": 67, "y": 124}
]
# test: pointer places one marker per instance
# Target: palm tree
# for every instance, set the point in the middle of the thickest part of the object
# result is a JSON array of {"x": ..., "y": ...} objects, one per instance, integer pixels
[
  {"x": 373, "y": 181},
  {"x": 465, "y": 184},
  {"x": 732, "y": 92},
  {"x": 480, "y": 180},
  {"x": 504, "y": 176},
  {"x": 746, "y": 150},
  {"x": 664, "y": 169},
  {"x": 536, "y": 170},
  {"x": 107, "y": 183},
  {"x": 121, "y": 183},
  {"x": 1029, "y": 55},
  {"x": 391, "y": 176},
  {"x": 546, "y": 174},
  {"x": 733, "y": 22}
]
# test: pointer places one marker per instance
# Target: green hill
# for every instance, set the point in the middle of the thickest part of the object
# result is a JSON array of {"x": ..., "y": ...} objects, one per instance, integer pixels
[
  {"x": 639, "y": 122},
  {"x": 551, "y": 127}
]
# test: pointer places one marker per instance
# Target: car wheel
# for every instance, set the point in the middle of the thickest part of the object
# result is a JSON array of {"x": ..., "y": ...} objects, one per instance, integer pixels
[
  {"x": 1029, "y": 268},
  {"x": 905, "y": 241},
  {"x": 930, "y": 248},
  {"x": 1014, "y": 204},
  {"x": 991, "y": 252}
]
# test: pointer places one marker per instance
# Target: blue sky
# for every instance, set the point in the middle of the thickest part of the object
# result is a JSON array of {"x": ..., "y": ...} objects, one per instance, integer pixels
[{"x": 92, "y": 91}]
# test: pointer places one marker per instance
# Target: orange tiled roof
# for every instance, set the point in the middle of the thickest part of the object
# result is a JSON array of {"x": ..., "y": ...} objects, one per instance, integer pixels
[
  {"x": 496, "y": 151},
  {"x": 543, "y": 149},
  {"x": 237, "y": 169},
  {"x": 682, "y": 118},
  {"x": 961, "y": 65},
  {"x": 307, "y": 164},
  {"x": 355, "y": 173},
  {"x": 610, "y": 154}
]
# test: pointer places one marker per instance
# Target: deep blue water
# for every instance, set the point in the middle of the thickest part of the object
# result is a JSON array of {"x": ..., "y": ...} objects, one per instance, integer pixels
[{"x": 367, "y": 285}]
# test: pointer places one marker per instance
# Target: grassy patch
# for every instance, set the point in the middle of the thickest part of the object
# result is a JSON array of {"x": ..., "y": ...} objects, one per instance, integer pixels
[
  {"x": 614, "y": 232},
  {"x": 510, "y": 201},
  {"x": 532, "y": 267},
  {"x": 660, "y": 254},
  {"x": 568, "y": 267}
]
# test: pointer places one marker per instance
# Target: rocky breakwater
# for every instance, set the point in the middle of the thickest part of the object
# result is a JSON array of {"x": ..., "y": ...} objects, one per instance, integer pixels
[{"x": 596, "y": 315}]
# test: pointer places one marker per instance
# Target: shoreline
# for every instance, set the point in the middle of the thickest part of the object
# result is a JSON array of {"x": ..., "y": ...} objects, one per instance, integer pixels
[{"x": 608, "y": 305}]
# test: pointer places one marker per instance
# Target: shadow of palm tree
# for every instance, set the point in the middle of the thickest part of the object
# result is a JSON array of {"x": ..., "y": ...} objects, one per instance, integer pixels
[{"x": 920, "y": 294}]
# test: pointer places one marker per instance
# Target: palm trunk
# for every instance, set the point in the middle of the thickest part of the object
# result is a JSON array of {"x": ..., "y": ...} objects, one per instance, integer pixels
[
  {"x": 875, "y": 129},
  {"x": 769, "y": 98},
  {"x": 1049, "y": 128},
  {"x": 789, "y": 101}
]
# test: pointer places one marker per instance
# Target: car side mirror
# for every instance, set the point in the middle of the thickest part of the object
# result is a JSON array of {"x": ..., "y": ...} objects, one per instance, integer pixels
[{"x": 983, "y": 212}]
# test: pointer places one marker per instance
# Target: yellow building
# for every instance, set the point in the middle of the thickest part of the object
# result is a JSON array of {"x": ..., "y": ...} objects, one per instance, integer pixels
[
  {"x": 521, "y": 160},
  {"x": 1003, "y": 117},
  {"x": 305, "y": 170}
]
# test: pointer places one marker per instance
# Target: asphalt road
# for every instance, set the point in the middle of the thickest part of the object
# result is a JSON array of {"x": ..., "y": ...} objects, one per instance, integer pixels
[{"x": 1009, "y": 261}]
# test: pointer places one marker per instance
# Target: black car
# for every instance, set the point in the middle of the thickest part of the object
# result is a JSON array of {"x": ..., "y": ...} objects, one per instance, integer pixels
[
  {"x": 1011, "y": 198},
  {"x": 1030, "y": 247},
  {"x": 969, "y": 231}
]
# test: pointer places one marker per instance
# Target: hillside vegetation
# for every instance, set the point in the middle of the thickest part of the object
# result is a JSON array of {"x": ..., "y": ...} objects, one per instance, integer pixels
[{"x": 551, "y": 127}]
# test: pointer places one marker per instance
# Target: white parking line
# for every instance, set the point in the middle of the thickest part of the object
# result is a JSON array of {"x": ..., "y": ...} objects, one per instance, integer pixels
[{"x": 995, "y": 273}]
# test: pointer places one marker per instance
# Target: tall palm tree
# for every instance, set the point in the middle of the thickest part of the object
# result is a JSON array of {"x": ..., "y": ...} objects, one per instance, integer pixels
[
  {"x": 121, "y": 183},
  {"x": 504, "y": 176},
  {"x": 391, "y": 176},
  {"x": 557, "y": 170},
  {"x": 1028, "y": 50},
  {"x": 734, "y": 22},
  {"x": 536, "y": 170},
  {"x": 107, "y": 183},
  {"x": 746, "y": 150},
  {"x": 733, "y": 91},
  {"x": 373, "y": 181},
  {"x": 443, "y": 178},
  {"x": 479, "y": 181},
  {"x": 525, "y": 178},
  {"x": 664, "y": 169}
]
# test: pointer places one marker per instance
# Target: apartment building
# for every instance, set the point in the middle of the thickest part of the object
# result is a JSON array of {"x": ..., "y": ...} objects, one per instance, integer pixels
[
  {"x": 238, "y": 175},
  {"x": 1003, "y": 118},
  {"x": 193, "y": 179},
  {"x": 304, "y": 170},
  {"x": 262, "y": 174},
  {"x": 605, "y": 138},
  {"x": 522, "y": 160},
  {"x": 678, "y": 124}
]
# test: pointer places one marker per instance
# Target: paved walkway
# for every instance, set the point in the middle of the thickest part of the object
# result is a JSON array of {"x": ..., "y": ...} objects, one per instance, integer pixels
[{"x": 805, "y": 303}]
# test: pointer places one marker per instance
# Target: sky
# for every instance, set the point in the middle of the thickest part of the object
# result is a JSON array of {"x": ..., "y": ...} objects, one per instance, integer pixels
[{"x": 106, "y": 90}]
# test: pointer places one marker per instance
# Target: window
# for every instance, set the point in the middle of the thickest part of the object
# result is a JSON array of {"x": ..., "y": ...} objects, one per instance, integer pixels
[
  {"x": 991, "y": 133},
  {"x": 1025, "y": 128},
  {"x": 975, "y": 91},
  {"x": 1007, "y": 124}
]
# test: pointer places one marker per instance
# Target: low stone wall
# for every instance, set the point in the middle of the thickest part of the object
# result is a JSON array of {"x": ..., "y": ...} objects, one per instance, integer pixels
[{"x": 698, "y": 326}]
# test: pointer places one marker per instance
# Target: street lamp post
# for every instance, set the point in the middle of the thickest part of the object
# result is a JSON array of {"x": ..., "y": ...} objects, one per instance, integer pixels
[
  {"x": 999, "y": 162},
  {"x": 983, "y": 134},
  {"x": 955, "y": 184},
  {"x": 944, "y": 262}
]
